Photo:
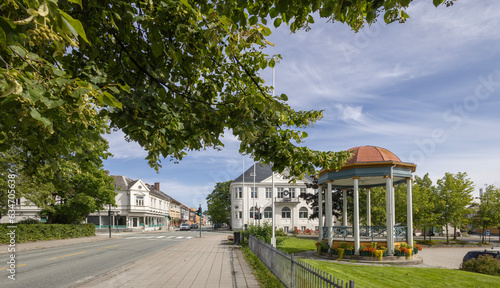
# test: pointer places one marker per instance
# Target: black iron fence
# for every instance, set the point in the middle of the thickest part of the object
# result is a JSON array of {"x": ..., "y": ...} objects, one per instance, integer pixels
[{"x": 293, "y": 272}]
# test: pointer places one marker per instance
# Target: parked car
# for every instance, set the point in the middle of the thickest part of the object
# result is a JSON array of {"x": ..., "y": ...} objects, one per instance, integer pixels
[
  {"x": 185, "y": 226},
  {"x": 194, "y": 226},
  {"x": 493, "y": 252}
]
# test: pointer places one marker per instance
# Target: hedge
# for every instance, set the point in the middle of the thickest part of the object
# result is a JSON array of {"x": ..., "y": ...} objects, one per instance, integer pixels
[{"x": 39, "y": 232}]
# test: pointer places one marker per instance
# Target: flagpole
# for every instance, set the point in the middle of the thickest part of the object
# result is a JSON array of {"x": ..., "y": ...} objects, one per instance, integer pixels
[{"x": 273, "y": 236}]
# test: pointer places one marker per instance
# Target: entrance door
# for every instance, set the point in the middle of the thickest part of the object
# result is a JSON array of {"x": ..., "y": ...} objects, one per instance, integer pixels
[{"x": 134, "y": 222}]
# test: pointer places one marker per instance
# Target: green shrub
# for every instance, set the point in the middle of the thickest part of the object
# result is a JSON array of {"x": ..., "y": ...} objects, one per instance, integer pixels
[
  {"x": 29, "y": 221},
  {"x": 263, "y": 232},
  {"x": 484, "y": 264},
  {"x": 40, "y": 232}
]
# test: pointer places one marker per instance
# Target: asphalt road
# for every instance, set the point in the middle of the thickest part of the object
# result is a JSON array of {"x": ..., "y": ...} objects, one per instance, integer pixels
[{"x": 68, "y": 266}]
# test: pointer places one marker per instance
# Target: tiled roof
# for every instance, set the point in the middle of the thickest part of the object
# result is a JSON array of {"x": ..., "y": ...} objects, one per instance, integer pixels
[{"x": 366, "y": 154}]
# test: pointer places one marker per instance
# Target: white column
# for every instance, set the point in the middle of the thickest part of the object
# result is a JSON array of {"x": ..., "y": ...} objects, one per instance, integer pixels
[
  {"x": 368, "y": 208},
  {"x": 328, "y": 213},
  {"x": 320, "y": 212},
  {"x": 409, "y": 211},
  {"x": 344, "y": 209},
  {"x": 356, "y": 216},
  {"x": 389, "y": 224}
]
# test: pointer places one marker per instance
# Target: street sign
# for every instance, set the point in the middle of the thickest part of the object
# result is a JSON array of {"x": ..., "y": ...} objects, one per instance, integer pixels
[{"x": 487, "y": 232}]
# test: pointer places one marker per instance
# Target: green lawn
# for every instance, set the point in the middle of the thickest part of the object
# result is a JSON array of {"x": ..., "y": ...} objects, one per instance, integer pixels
[
  {"x": 295, "y": 245},
  {"x": 396, "y": 276},
  {"x": 392, "y": 276}
]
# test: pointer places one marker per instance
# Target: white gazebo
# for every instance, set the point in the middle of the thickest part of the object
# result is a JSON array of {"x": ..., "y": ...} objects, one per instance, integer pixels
[{"x": 368, "y": 167}]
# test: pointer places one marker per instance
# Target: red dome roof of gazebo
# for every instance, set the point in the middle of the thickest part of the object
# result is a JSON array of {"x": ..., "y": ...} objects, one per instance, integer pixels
[{"x": 367, "y": 154}]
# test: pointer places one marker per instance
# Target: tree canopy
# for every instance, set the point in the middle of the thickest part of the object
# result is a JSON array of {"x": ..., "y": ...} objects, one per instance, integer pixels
[
  {"x": 174, "y": 75},
  {"x": 219, "y": 203}
]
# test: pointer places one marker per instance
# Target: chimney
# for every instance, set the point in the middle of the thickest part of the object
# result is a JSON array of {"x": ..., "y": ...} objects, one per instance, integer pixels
[{"x": 157, "y": 186}]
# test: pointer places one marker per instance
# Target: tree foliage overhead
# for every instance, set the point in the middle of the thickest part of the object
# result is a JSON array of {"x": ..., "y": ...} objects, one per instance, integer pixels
[{"x": 174, "y": 75}]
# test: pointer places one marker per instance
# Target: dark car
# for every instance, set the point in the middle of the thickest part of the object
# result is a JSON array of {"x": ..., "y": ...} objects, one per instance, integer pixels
[
  {"x": 194, "y": 226},
  {"x": 495, "y": 253}
]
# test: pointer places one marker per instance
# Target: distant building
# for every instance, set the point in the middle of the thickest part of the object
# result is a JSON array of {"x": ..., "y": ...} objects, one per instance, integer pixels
[
  {"x": 138, "y": 206},
  {"x": 250, "y": 198}
]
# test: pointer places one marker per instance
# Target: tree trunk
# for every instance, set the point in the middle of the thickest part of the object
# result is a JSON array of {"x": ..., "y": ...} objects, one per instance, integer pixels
[
  {"x": 447, "y": 238},
  {"x": 424, "y": 230},
  {"x": 454, "y": 232}
]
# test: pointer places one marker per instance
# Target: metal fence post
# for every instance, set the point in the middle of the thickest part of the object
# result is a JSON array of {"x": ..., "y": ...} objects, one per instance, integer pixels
[{"x": 291, "y": 282}]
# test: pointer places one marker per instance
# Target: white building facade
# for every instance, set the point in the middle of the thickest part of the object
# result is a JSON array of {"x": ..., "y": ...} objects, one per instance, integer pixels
[
  {"x": 138, "y": 206},
  {"x": 252, "y": 194}
]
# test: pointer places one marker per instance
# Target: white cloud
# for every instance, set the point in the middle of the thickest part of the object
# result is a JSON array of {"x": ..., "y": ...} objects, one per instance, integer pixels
[{"x": 122, "y": 149}]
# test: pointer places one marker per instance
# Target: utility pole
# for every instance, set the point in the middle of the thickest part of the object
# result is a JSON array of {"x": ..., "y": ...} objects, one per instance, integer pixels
[
  {"x": 199, "y": 218},
  {"x": 109, "y": 217}
]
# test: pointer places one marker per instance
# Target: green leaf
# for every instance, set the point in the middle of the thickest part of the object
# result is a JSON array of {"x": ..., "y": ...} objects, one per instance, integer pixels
[
  {"x": 35, "y": 95},
  {"x": 80, "y": 91},
  {"x": 74, "y": 25},
  {"x": 3, "y": 39},
  {"x": 43, "y": 10},
  {"x": 437, "y": 2},
  {"x": 36, "y": 115},
  {"x": 52, "y": 103},
  {"x": 125, "y": 88},
  {"x": 24, "y": 21},
  {"x": 157, "y": 47},
  {"x": 253, "y": 20},
  {"x": 277, "y": 22},
  {"x": 12, "y": 88},
  {"x": 111, "y": 100},
  {"x": 114, "y": 89},
  {"x": 79, "y": 2}
]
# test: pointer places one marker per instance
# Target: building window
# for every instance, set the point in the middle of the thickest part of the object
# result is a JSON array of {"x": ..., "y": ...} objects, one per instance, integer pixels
[
  {"x": 303, "y": 192},
  {"x": 269, "y": 192},
  {"x": 252, "y": 212},
  {"x": 268, "y": 212},
  {"x": 280, "y": 192},
  {"x": 238, "y": 192},
  {"x": 253, "y": 192},
  {"x": 285, "y": 213},
  {"x": 303, "y": 228},
  {"x": 139, "y": 200},
  {"x": 292, "y": 192},
  {"x": 240, "y": 214},
  {"x": 303, "y": 213}
]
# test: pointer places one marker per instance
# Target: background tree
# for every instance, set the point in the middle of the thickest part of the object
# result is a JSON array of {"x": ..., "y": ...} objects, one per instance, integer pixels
[
  {"x": 424, "y": 201},
  {"x": 454, "y": 193},
  {"x": 311, "y": 199},
  {"x": 219, "y": 203},
  {"x": 488, "y": 211}
]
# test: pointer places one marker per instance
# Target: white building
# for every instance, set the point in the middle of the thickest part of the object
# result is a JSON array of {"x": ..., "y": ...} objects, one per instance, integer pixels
[
  {"x": 252, "y": 192},
  {"x": 138, "y": 206}
]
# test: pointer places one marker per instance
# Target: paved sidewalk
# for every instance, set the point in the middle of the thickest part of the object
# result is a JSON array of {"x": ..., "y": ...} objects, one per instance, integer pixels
[
  {"x": 199, "y": 262},
  {"x": 20, "y": 247}
]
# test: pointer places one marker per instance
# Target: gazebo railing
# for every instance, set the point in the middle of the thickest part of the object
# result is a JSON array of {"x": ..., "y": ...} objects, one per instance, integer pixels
[{"x": 366, "y": 231}]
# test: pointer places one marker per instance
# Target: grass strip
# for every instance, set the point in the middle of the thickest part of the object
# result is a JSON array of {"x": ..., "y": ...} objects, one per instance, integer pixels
[
  {"x": 265, "y": 278},
  {"x": 397, "y": 277},
  {"x": 295, "y": 245}
]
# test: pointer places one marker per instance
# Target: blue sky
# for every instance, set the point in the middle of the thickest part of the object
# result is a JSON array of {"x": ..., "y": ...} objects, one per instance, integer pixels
[{"x": 427, "y": 90}]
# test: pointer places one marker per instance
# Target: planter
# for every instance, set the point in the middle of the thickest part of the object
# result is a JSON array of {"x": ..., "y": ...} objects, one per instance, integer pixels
[{"x": 349, "y": 252}]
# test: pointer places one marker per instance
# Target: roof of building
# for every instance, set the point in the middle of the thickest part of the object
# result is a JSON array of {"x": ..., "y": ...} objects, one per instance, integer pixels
[
  {"x": 367, "y": 154},
  {"x": 262, "y": 172}
]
